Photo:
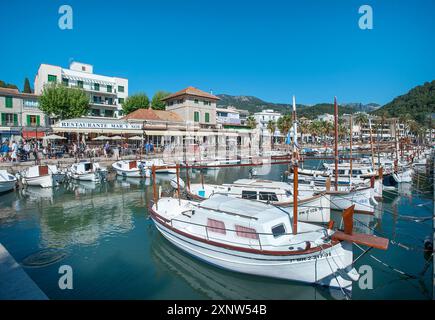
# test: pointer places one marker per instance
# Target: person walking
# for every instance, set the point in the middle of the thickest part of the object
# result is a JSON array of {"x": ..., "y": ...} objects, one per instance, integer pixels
[{"x": 14, "y": 150}]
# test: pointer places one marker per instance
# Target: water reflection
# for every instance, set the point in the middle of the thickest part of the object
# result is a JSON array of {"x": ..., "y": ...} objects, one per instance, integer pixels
[{"x": 215, "y": 283}]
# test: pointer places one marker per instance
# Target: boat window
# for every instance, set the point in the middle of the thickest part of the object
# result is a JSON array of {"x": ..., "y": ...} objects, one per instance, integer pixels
[
  {"x": 268, "y": 196},
  {"x": 245, "y": 232},
  {"x": 216, "y": 226},
  {"x": 278, "y": 230},
  {"x": 88, "y": 166},
  {"x": 249, "y": 194},
  {"x": 357, "y": 172}
]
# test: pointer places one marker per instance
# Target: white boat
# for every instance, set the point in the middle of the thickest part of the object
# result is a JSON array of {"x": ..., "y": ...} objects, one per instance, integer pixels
[
  {"x": 87, "y": 171},
  {"x": 346, "y": 195},
  {"x": 403, "y": 176},
  {"x": 45, "y": 176},
  {"x": 7, "y": 181},
  {"x": 256, "y": 238},
  {"x": 131, "y": 168},
  {"x": 312, "y": 207},
  {"x": 160, "y": 163}
]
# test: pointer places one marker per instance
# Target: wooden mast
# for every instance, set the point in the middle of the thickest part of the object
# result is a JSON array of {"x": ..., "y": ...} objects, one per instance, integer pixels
[
  {"x": 295, "y": 198},
  {"x": 396, "y": 162},
  {"x": 336, "y": 142},
  {"x": 295, "y": 133},
  {"x": 177, "y": 168},
  {"x": 351, "y": 138},
  {"x": 371, "y": 143},
  {"x": 154, "y": 187}
]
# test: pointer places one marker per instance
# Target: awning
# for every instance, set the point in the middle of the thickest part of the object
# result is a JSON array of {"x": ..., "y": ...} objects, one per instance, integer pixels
[{"x": 87, "y": 80}]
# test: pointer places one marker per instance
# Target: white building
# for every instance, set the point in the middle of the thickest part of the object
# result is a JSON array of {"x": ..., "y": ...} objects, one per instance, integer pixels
[
  {"x": 106, "y": 94},
  {"x": 326, "y": 117},
  {"x": 262, "y": 118},
  {"x": 229, "y": 115}
]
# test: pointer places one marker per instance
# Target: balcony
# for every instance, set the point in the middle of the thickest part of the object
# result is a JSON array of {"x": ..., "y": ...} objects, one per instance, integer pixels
[{"x": 105, "y": 104}]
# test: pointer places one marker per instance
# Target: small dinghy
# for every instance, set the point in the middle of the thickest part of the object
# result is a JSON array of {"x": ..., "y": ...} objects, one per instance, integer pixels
[
  {"x": 87, "y": 171},
  {"x": 7, "y": 181},
  {"x": 131, "y": 168},
  {"x": 45, "y": 176}
]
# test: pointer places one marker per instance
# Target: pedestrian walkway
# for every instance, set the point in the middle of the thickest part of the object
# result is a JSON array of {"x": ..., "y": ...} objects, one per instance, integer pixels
[{"x": 15, "y": 284}]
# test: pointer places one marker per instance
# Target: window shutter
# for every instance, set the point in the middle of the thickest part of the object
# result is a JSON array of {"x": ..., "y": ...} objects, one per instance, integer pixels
[
  {"x": 15, "y": 119},
  {"x": 3, "y": 118},
  {"x": 28, "y": 120},
  {"x": 38, "y": 119}
]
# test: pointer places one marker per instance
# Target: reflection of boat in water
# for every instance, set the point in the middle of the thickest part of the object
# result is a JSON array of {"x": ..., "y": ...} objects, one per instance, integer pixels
[
  {"x": 216, "y": 283},
  {"x": 7, "y": 181},
  {"x": 34, "y": 193}
]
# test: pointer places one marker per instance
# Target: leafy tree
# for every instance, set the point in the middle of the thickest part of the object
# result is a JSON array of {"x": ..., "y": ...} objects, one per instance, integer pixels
[
  {"x": 134, "y": 102},
  {"x": 251, "y": 122},
  {"x": 64, "y": 102},
  {"x": 156, "y": 102},
  {"x": 7, "y": 85},
  {"x": 27, "y": 88},
  {"x": 418, "y": 103}
]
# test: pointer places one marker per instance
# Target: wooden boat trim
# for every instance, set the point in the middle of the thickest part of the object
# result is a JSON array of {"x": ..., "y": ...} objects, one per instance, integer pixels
[{"x": 166, "y": 222}]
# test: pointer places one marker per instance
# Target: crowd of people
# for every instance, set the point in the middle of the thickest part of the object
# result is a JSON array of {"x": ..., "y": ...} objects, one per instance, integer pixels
[{"x": 28, "y": 150}]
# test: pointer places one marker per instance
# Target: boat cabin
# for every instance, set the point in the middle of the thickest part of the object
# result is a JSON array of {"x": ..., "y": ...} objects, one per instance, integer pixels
[{"x": 239, "y": 222}]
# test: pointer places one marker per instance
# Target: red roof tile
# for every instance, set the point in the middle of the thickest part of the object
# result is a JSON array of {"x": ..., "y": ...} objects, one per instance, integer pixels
[
  {"x": 193, "y": 92},
  {"x": 150, "y": 114}
]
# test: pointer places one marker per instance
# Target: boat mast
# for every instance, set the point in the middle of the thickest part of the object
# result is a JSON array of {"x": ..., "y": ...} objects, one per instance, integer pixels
[
  {"x": 396, "y": 163},
  {"x": 351, "y": 138},
  {"x": 295, "y": 132},
  {"x": 336, "y": 142},
  {"x": 371, "y": 143},
  {"x": 295, "y": 197}
]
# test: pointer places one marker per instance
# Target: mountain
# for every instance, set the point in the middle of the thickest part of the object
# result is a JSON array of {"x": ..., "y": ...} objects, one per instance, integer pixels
[
  {"x": 418, "y": 103},
  {"x": 363, "y": 107},
  {"x": 250, "y": 103},
  {"x": 254, "y": 104}
]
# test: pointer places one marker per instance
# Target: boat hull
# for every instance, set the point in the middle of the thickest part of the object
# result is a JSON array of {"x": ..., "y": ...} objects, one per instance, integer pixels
[
  {"x": 313, "y": 268},
  {"x": 359, "y": 198},
  {"x": 6, "y": 186},
  {"x": 45, "y": 181}
]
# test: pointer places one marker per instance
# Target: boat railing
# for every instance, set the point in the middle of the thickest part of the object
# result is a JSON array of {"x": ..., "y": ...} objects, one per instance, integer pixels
[{"x": 256, "y": 235}]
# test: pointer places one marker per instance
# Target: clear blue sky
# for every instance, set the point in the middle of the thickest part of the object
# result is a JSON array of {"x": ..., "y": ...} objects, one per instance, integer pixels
[{"x": 270, "y": 49}]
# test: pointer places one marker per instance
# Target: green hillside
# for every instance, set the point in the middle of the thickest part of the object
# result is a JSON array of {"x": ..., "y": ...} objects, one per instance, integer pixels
[{"x": 418, "y": 104}]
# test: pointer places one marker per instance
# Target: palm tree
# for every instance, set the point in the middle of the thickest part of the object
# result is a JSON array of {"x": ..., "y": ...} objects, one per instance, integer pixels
[
  {"x": 314, "y": 129},
  {"x": 304, "y": 126},
  {"x": 284, "y": 124},
  {"x": 251, "y": 123},
  {"x": 271, "y": 126},
  {"x": 360, "y": 119}
]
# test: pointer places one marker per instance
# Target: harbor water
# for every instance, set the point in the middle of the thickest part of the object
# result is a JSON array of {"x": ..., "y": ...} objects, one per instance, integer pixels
[{"x": 104, "y": 233}]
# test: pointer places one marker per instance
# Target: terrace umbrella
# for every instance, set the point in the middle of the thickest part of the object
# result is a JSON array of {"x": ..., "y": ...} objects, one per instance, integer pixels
[
  {"x": 136, "y": 138},
  {"x": 116, "y": 138},
  {"x": 101, "y": 138},
  {"x": 53, "y": 137}
]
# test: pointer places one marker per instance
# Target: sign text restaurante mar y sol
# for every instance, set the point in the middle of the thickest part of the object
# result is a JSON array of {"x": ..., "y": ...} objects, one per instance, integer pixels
[{"x": 100, "y": 125}]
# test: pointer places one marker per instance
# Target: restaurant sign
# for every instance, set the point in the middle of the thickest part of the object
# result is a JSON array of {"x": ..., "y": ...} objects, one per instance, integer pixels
[{"x": 100, "y": 125}]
